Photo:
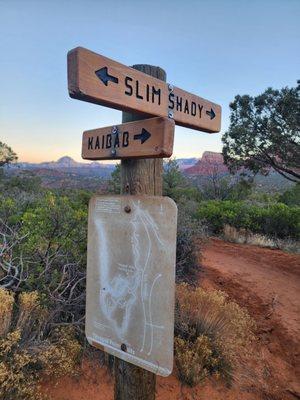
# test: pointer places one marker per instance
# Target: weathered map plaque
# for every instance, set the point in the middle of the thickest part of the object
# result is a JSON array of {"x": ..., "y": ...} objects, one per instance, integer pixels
[
  {"x": 98, "y": 79},
  {"x": 131, "y": 279},
  {"x": 139, "y": 139}
]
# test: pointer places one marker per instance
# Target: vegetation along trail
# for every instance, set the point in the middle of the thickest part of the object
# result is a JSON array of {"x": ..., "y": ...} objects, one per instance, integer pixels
[
  {"x": 267, "y": 283},
  {"x": 272, "y": 275}
]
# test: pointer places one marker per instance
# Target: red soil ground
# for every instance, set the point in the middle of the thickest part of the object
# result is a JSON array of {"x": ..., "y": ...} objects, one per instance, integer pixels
[{"x": 267, "y": 283}]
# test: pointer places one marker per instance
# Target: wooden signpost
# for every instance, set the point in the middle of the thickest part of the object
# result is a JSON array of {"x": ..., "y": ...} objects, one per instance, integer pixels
[
  {"x": 100, "y": 80},
  {"x": 132, "y": 241},
  {"x": 146, "y": 138}
]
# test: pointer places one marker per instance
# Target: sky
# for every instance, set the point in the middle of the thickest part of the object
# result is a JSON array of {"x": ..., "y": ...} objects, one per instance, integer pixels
[{"x": 214, "y": 49}]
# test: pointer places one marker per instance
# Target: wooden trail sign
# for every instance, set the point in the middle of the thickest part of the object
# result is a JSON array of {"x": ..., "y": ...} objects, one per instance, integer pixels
[
  {"x": 98, "y": 79},
  {"x": 131, "y": 279},
  {"x": 141, "y": 139},
  {"x": 115, "y": 321}
]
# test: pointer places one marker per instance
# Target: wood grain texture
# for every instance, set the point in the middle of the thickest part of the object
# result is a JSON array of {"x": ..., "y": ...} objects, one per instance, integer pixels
[
  {"x": 135, "y": 91},
  {"x": 132, "y": 382},
  {"x": 195, "y": 112},
  {"x": 84, "y": 84},
  {"x": 138, "y": 177},
  {"x": 152, "y": 137}
]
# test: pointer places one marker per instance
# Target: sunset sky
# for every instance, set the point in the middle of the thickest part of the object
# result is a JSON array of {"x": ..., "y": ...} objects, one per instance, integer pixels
[{"x": 215, "y": 49}]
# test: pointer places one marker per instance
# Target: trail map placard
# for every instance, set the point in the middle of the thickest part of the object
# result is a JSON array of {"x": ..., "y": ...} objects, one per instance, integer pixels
[{"x": 131, "y": 279}]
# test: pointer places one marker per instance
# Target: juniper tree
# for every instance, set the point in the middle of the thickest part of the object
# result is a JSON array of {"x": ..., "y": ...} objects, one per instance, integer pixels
[
  {"x": 7, "y": 155},
  {"x": 264, "y": 133}
]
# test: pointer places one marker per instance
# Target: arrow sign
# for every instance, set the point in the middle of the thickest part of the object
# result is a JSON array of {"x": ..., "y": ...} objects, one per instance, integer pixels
[
  {"x": 104, "y": 76},
  {"x": 130, "y": 90},
  {"x": 143, "y": 136},
  {"x": 130, "y": 140},
  {"x": 211, "y": 113}
]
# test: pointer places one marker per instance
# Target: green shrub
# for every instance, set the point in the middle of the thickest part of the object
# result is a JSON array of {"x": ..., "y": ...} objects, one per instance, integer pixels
[
  {"x": 291, "y": 197},
  {"x": 25, "y": 182},
  {"x": 43, "y": 239},
  {"x": 190, "y": 236},
  {"x": 182, "y": 194},
  {"x": 277, "y": 219},
  {"x": 177, "y": 186},
  {"x": 55, "y": 223}
]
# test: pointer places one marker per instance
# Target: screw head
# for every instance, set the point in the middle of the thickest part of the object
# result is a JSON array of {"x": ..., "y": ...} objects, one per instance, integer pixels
[
  {"x": 170, "y": 114},
  {"x": 123, "y": 347},
  {"x": 127, "y": 209}
]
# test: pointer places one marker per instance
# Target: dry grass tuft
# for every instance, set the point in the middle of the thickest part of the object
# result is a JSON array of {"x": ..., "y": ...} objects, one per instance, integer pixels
[
  {"x": 211, "y": 331},
  {"x": 194, "y": 360},
  {"x": 24, "y": 357},
  {"x": 244, "y": 236},
  {"x": 6, "y": 309},
  {"x": 235, "y": 235}
]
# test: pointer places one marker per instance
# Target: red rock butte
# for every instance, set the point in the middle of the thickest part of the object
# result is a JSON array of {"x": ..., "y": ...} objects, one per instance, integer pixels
[{"x": 210, "y": 163}]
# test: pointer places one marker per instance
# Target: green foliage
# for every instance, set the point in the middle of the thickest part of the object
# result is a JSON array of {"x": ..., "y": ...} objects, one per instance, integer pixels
[
  {"x": 291, "y": 197},
  {"x": 54, "y": 244},
  {"x": 18, "y": 193},
  {"x": 114, "y": 184},
  {"x": 241, "y": 190},
  {"x": 7, "y": 155},
  {"x": 43, "y": 259},
  {"x": 216, "y": 187},
  {"x": 183, "y": 194},
  {"x": 43, "y": 239},
  {"x": 190, "y": 237},
  {"x": 55, "y": 223},
  {"x": 9, "y": 211},
  {"x": 264, "y": 133},
  {"x": 277, "y": 220},
  {"x": 190, "y": 233},
  {"x": 172, "y": 176},
  {"x": 25, "y": 182},
  {"x": 176, "y": 186}
]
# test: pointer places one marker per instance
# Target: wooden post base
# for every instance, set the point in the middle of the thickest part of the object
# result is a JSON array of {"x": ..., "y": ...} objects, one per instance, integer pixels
[{"x": 138, "y": 177}]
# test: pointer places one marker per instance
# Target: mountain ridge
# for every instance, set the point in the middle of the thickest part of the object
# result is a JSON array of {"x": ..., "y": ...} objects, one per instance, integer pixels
[{"x": 65, "y": 162}]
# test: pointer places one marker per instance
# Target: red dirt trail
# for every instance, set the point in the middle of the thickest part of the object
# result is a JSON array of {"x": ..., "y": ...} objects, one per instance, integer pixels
[
  {"x": 272, "y": 275},
  {"x": 267, "y": 283}
]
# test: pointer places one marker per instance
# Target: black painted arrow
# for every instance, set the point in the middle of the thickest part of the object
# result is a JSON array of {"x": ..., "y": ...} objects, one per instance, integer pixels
[
  {"x": 211, "y": 113},
  {"x": 143, "y": 136},
  {"x": 104, "y": 76}
]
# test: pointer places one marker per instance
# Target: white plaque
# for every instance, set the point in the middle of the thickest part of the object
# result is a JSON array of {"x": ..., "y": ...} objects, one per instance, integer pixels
[{"x": 131, "y": 279}]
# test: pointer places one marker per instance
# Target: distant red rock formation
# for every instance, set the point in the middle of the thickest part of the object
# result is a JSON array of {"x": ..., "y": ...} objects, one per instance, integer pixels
[{"x": 210, "y": 163}]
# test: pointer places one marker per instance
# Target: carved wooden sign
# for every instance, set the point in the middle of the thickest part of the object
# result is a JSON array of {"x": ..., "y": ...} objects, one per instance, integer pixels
[
  {"x": 131, "y": 279},
  {"x": 139, "y": 139},
  {"x": 98, "y": 79}
]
